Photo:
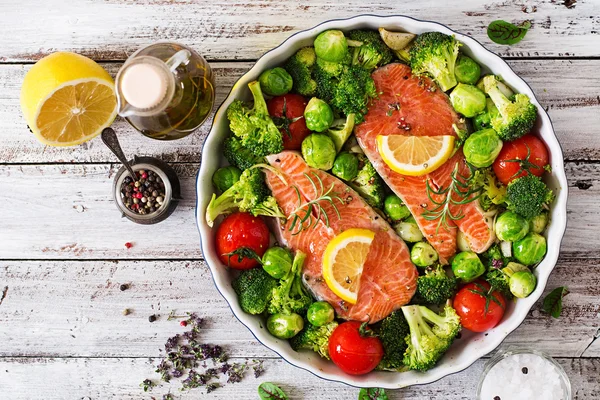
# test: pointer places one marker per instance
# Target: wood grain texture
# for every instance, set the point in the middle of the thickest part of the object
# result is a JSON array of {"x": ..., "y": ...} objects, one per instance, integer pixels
[
  {"x": 572, "y": 103},
  {"x": 74, "y": 309},
  {"x": 231, "y": 29},
  {"x": 67, "y": 212},
  {"x": 102, "y": 378}
]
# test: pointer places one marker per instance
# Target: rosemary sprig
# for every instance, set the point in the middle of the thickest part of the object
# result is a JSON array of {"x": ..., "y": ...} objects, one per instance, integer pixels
[
  {"x": 459, "y": 192},
  {"x": 302, "y": 217}
]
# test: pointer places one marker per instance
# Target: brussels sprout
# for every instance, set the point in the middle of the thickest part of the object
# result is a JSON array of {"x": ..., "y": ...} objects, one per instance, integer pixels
[
  {"x": 408, "y": 230},
  {"x": 467, "y": 70},
  {"x": 285, "y": 326},
  {"x": 225, "y": 177},
  {"x": 522, "y": 283},
  {"x": 345, "y": 166},
  {"x": 513, "y": 267},
  {"x": 319, "y": 151},
  {"x": 483, "y": 120},
  {"x": 277, "y": 262},
  {"x": 531, "y": 249},
  {"x": 331, "y": 45},
  {"x": 539, "y": 222},
  {"x": 482, "y": 148},
  {"x": 467, "y": 100},
  {"x": 318, "y": 115},
  {"x": 423, "y": 254},
  {"x": 320, "y": 313},
  {"x": 395, "y": 208},
  {"x": 461, "y": 242},
  {"x": 511, "y": 227},
  {"x": 467, "y": 266},
  {"x": 275, "y": 81}
]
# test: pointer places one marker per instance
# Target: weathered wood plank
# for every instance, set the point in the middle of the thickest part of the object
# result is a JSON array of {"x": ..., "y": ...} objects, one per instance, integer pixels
[
  {"x": 67, "y": 212},
  {"x": 74, "y": 308},
  {"x": 246, "y": 29},
  {"x": 102, "y": 378},
  {"x": 571, "y": 101}
]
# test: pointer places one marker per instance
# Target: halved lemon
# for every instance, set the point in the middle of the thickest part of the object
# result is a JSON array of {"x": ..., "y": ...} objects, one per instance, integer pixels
[
  {"x": 415, "y": 155},
  {"x": 343, "y": 262},
  {"x": 67, "y": 99}
]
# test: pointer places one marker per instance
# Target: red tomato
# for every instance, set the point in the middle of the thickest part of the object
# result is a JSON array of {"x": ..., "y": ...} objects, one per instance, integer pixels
[
  {"x": 507, "y": 170},
  {"x": 470, "y": 305},
  {"x": 288, "y": 114},
  {"x": 353, "y": 353},
  {"x": 241, "y": 230}
]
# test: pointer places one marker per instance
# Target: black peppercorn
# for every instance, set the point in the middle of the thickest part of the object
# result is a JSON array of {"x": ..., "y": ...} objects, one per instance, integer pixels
[
  {"x": 124, "y": 286},
  {"x": 152, "y": 318},
  {"x": 524, "y": 370}
]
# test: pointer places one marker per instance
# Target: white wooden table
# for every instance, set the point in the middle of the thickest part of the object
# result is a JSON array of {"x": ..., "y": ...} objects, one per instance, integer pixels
[{"x": 62, "y": 253}]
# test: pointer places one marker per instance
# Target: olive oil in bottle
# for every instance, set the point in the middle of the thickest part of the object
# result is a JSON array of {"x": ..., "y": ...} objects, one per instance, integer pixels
[{"x": 165, "y": 91}]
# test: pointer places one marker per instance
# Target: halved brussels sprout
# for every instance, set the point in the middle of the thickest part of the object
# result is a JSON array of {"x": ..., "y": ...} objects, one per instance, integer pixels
[
  {"x": 482, "y": 148},
  {"x": 531, "y": 249},
  {"x": 423, "y": 254},
  {"x": 285, "y": 326},
  {"x": 462, "y": 242},
  {"x": 408, "y": 230}
]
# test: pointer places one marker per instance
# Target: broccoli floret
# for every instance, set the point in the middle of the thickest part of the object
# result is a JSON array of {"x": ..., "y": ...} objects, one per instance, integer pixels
[
  {"x": 290, "y": 296},
  {"x": 492, "y": 191},
  {"x": 528, "y": 196},
  {"x": 253, "y": 125},
  {"x": 435, "y": 53},
  {"x": 247, "y": 194},
  {"x": 368, "y": 183},
  {"x": 494, "y": 261},
  {"x": 435, "y": 287},
  {"x": 392, "y": 331},
  {"x": 326, "y": 75},
  {"x": 300, "y": 66},
  {"x": 341, "y": 130},
  {"x": 254, "y": 288},
  {"x": 372, "y": 52},
  {"x": 516, "y": 115},
  {"x": 353, "y": 91},
  {"x": 315, "y": 338},
  {"x": 236, "y": 154},
  {"x": 430, "y": 335}
]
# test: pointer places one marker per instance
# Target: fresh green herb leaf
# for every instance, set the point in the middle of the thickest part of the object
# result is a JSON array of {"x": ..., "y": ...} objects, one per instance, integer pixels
[
  {"x": 270, "y": 391},
  {"x": 503, "y": 32},
  {"x": 553, "y": 301},
  {"x": 372, "y": 394}
]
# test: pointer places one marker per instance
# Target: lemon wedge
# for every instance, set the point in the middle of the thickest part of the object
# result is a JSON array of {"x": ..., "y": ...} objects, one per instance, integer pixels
[
  {"x": 415, "y": 155},
  {"x": 343, "y": 262},
  {"x": 67, "y": 99}
]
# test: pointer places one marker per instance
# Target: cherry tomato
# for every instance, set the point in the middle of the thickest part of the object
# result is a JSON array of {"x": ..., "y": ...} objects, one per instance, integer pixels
[
  {"x": 478, "y": 309},
  {"x": 507, "y": 170},
  {"x": 239, "y": 231},
  {"x": 353, "y": 353},
  {"x": 287, "y": 112}
]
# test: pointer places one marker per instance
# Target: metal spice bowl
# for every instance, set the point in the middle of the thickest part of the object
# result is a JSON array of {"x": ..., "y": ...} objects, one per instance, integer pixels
[{"x": 172, "y": 190}]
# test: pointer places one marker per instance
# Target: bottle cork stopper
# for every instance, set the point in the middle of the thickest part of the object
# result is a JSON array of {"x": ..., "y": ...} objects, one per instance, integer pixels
[{"x": 144, "y": 85}]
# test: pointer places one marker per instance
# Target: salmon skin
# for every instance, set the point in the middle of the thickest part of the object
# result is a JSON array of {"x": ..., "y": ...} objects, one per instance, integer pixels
[
  {"x": 413, "y": 105},
  {"x": 389, "y": 278}
]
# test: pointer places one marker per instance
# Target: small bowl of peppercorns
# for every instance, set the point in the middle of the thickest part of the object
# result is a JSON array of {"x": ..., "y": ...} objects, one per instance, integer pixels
[{"x": 151, "y": 195}]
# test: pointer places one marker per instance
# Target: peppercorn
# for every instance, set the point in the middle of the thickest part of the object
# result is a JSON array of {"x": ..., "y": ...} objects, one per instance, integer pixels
[
  {"x": 126, "y": 311},
  {"x": 124, "y": 286},
  {"x": 152, "y": 318}
]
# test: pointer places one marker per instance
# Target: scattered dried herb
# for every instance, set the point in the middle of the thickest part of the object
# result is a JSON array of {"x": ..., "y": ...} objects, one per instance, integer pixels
[
  {"x": 270, "y": 391},
  {"x": 503, "y": 32},
  {"x": 553, "y": 301},
  {"x": 147, "y": 385},
  {"x": 187, "y": 358},
  {"x": 372, "y": 394}
]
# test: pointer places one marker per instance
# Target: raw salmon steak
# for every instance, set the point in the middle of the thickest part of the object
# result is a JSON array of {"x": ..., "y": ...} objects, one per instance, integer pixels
[
  {"x": 413, "y": 105},
  {"x": 388, "y": 280}
]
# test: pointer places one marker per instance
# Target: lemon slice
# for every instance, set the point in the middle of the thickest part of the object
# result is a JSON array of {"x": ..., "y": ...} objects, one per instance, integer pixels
[
  {"x": 67, "y": 99},
  {"x": 415, "y": 155},
  {"x": 343, "y": 262}
]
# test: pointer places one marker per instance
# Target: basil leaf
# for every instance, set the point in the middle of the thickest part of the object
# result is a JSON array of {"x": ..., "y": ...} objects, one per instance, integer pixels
[
  {"x": 372, "y": 394},
  {"x": 553, "y": 301},
  {"x": 503, "y": 32},
  {"x": 270, "y": 391}
]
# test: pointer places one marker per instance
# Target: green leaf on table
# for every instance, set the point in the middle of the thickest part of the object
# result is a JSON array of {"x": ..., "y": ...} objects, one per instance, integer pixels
[
  {"x": 503, "y": 32},
  {"x": 270, "y": 391},
  {"x": 372, "y": 394},
  {"x": 553, "y": 301}
]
